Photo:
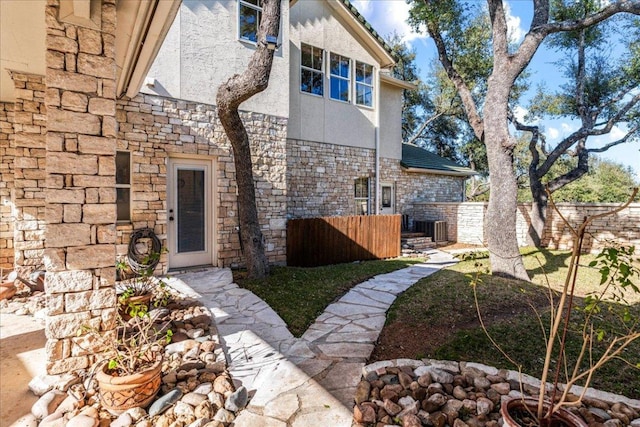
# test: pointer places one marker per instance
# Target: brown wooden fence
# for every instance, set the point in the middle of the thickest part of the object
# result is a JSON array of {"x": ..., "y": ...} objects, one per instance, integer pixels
[{"x": 332, "y": 240}]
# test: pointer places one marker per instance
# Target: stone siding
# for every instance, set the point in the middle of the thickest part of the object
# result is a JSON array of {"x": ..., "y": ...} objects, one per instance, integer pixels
[
  {"x": 29, "y": 170},
  {"x": 466, "y": 223},
  {"x": 154, "y": 128},
  {"x": 80, "y": 193},
  {"x": 7, "y": 153},
  {"x": 321, "y": 180}
]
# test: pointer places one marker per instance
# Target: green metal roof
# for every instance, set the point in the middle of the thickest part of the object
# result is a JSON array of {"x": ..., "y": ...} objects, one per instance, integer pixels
[
  {"x": 414, "y": 157},
  {"x": 369, "y": 28}
]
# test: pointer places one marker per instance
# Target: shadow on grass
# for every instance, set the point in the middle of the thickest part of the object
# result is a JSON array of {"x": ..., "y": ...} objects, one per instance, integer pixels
[{"x": 437, "y": 318}]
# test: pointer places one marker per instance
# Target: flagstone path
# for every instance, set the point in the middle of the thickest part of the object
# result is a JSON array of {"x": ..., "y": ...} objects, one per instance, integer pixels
[{"x": 308, "y": 381}]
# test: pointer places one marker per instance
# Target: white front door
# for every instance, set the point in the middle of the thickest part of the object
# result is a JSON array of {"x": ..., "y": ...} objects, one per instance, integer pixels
[
  {"x": 387, "y": 199},
  {"x": 190, "y": 212}
]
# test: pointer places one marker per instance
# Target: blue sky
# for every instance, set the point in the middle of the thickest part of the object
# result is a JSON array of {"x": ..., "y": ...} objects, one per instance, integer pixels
[{"x": 387, "y": 16}]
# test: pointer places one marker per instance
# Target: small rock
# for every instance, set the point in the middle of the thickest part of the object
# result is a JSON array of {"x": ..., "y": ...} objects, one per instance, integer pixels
[
  {"x": 27, "y": 420},
  {"x": 459, "y": 393},
  {"x": 405, "y": 380},
  {"x": 224, "y": 416},
  {"x": 364, "y": 414},
  {"x": 194, "y": 399},
  {"x": 391, "y": 407},
  {"x": 501, "y": 388},
  {"x": 363, "y": 392},
  {"x": 440, "y": 376},
  {"x": 162, "y": 404},
  {"x": 204, "y": 387},
  {"x": 437, "y": 419},
  {"x": 222, "y": 384},
  {"x": 199, "y": 423},
  {"x": 183, "y": 408},
  {"x": 216, "y": 400},
  {"x": 434, "y": 402},
  {"x": 483, "y": 383},
  {"x": 237, "y": 400},
  {"x": 195, "y": 333},
  {"x": 390, "y": 379},
  {"x": 624, "y": 409},
  {"x": 459, "y": 423},
  {"x": 411, "y": 420},
  {"x": 47, "y": 404},
  {"x": 42, "y": 383},
  {"x": 137, "y": 413},
  {"x": 614, "y": 422},
  {"x": 69, "y": 404},
  {"x": 452, "y": 407},
  {"x": 599, "y": 414},
  {"x": 425, "y": 379},
  {"x": 83, "y": 420},
  {"x": 435, "y": 388},
  {"x": 205, "y": 410},
  {"x": 484, "y": 405},
  {"x": 53, "y": 420},
  {"x": 170, "y": 378},
  {"x": 471, "y": 406},
  {"x": 123, "y": 420}
]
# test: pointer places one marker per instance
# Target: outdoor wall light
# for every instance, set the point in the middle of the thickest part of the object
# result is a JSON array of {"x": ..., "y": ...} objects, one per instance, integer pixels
[{"x": 271, "y": 42}]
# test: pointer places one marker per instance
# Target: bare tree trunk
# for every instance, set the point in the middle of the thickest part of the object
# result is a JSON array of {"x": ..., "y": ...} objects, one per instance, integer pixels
[
  {"x": 502, "y": 240},
  {"x": 231, "y": 94}
]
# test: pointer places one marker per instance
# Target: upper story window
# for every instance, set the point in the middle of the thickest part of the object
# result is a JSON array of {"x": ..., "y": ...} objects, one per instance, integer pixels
[
  {"x": 250, "y": 12},
  {"x": 311, "y": 70},
  {"x": 123, "y": 185},
  {"x": 364, "y": 84},
  {"x": 339, "y": 69}
]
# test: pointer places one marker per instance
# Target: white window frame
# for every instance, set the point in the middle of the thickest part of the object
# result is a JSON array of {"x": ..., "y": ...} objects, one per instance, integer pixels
[
  {"x": 124, "y": 186},
  {"x": 245, "y": 3},
  {"x": 362, "y": 83},
  {"x": 319, "y": 71},
  {"x": 339, "y": 77},
  {"x": 358, "y": 198}
]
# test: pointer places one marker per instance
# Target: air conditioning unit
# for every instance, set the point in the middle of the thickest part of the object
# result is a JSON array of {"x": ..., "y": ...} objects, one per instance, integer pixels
[{"x": 437, "y": 230}]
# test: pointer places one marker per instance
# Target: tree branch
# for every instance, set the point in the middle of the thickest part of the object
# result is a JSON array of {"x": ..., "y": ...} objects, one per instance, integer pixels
[{"x": 463, "y": 90}]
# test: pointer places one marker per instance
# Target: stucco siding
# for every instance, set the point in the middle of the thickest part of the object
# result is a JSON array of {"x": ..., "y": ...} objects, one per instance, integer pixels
[
  {"x": 321, "y": 119},
  {"x": 202, "y": 50},
  {"x": 390, "y": 122}
]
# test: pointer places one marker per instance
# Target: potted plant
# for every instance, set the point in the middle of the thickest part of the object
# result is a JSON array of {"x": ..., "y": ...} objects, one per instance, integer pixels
[
  {"x": 618, "y": 266},
  {"x": 129, "y": 374},
  {"x": 138, "y": 288}
]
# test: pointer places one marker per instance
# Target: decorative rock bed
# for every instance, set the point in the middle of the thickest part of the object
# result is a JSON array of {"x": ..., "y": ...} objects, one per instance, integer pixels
[
  {"x": 414, "y": 393},
  {"x": 196, "y": 388}
]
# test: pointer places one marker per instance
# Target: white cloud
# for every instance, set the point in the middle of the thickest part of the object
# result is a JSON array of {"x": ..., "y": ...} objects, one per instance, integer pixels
[
  {"x": 515, "y": 31},
  {"x": 567, "y": 128},
  {"x": 388, "y": 16},
  {"x": 616, "y": 133},
  {"x": 553, "y": 133}
]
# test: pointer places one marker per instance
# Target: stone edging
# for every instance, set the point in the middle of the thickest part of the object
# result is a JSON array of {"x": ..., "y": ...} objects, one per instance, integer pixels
[{"x": 455, "y": 368}]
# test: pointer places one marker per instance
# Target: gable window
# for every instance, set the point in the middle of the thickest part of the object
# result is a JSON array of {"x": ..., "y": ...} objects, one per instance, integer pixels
[
  {"x": 364, "y": 84},
  {"x": 311, "y": 74},
  {"x": 361, "y": 195},
  {"x": 123, "y": 185},
  {"x": 250, "y": 12},
  {"x": 339, "y": 70}
]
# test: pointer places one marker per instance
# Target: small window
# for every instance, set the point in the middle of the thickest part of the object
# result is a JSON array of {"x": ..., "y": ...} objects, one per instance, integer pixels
[
  {"x": 250, "y": 12},
  {"x": 361, "y": 195},
  {"x": 311, "y": 74},
  {"x": 364, "y": 84},
  {"x": 340, "y": 81},
  {"x": 123, "y": 185}
]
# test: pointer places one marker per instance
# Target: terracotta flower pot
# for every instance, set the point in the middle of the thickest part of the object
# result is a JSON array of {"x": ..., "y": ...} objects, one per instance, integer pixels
[
  {"x": 117, "y": 394},
  {"x": 516, "y": 411}
]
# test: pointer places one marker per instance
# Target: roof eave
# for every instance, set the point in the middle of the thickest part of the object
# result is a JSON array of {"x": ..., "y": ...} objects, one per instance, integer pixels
[
  {"x": 390, "y": 80},
  {"x": 146, "y": 24}
]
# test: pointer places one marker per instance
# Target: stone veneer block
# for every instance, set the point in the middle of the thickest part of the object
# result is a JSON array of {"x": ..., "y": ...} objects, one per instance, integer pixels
[
  {"x": 64, "y": 235},
  {"x": 71, "y": 163},
  {"x": 68, "y": 281},
  {"x": 67, "y": 365},
  {"x": 91, "y": 256},
  {"x": 66, "y": 325}
]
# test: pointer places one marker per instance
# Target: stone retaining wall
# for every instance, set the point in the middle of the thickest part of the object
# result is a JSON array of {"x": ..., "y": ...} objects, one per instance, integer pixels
[{"x": 466, "y": 223}]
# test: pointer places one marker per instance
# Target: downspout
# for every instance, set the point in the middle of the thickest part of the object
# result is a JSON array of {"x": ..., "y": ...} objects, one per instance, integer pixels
[{"x": 377, "y": 142}]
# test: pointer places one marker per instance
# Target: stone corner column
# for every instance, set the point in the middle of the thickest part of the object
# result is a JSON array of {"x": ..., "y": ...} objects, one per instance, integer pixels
[{"x": 80, "y": 194}]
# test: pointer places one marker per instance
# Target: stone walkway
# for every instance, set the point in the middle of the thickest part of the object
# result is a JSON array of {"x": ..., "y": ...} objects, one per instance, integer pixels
[{"x": 308, "y": 381}]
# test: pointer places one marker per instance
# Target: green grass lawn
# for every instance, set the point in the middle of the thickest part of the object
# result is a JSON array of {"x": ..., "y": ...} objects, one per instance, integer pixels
[
  {"x": 445, "y": 301},
  {"x": 300, "y": 295}
]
